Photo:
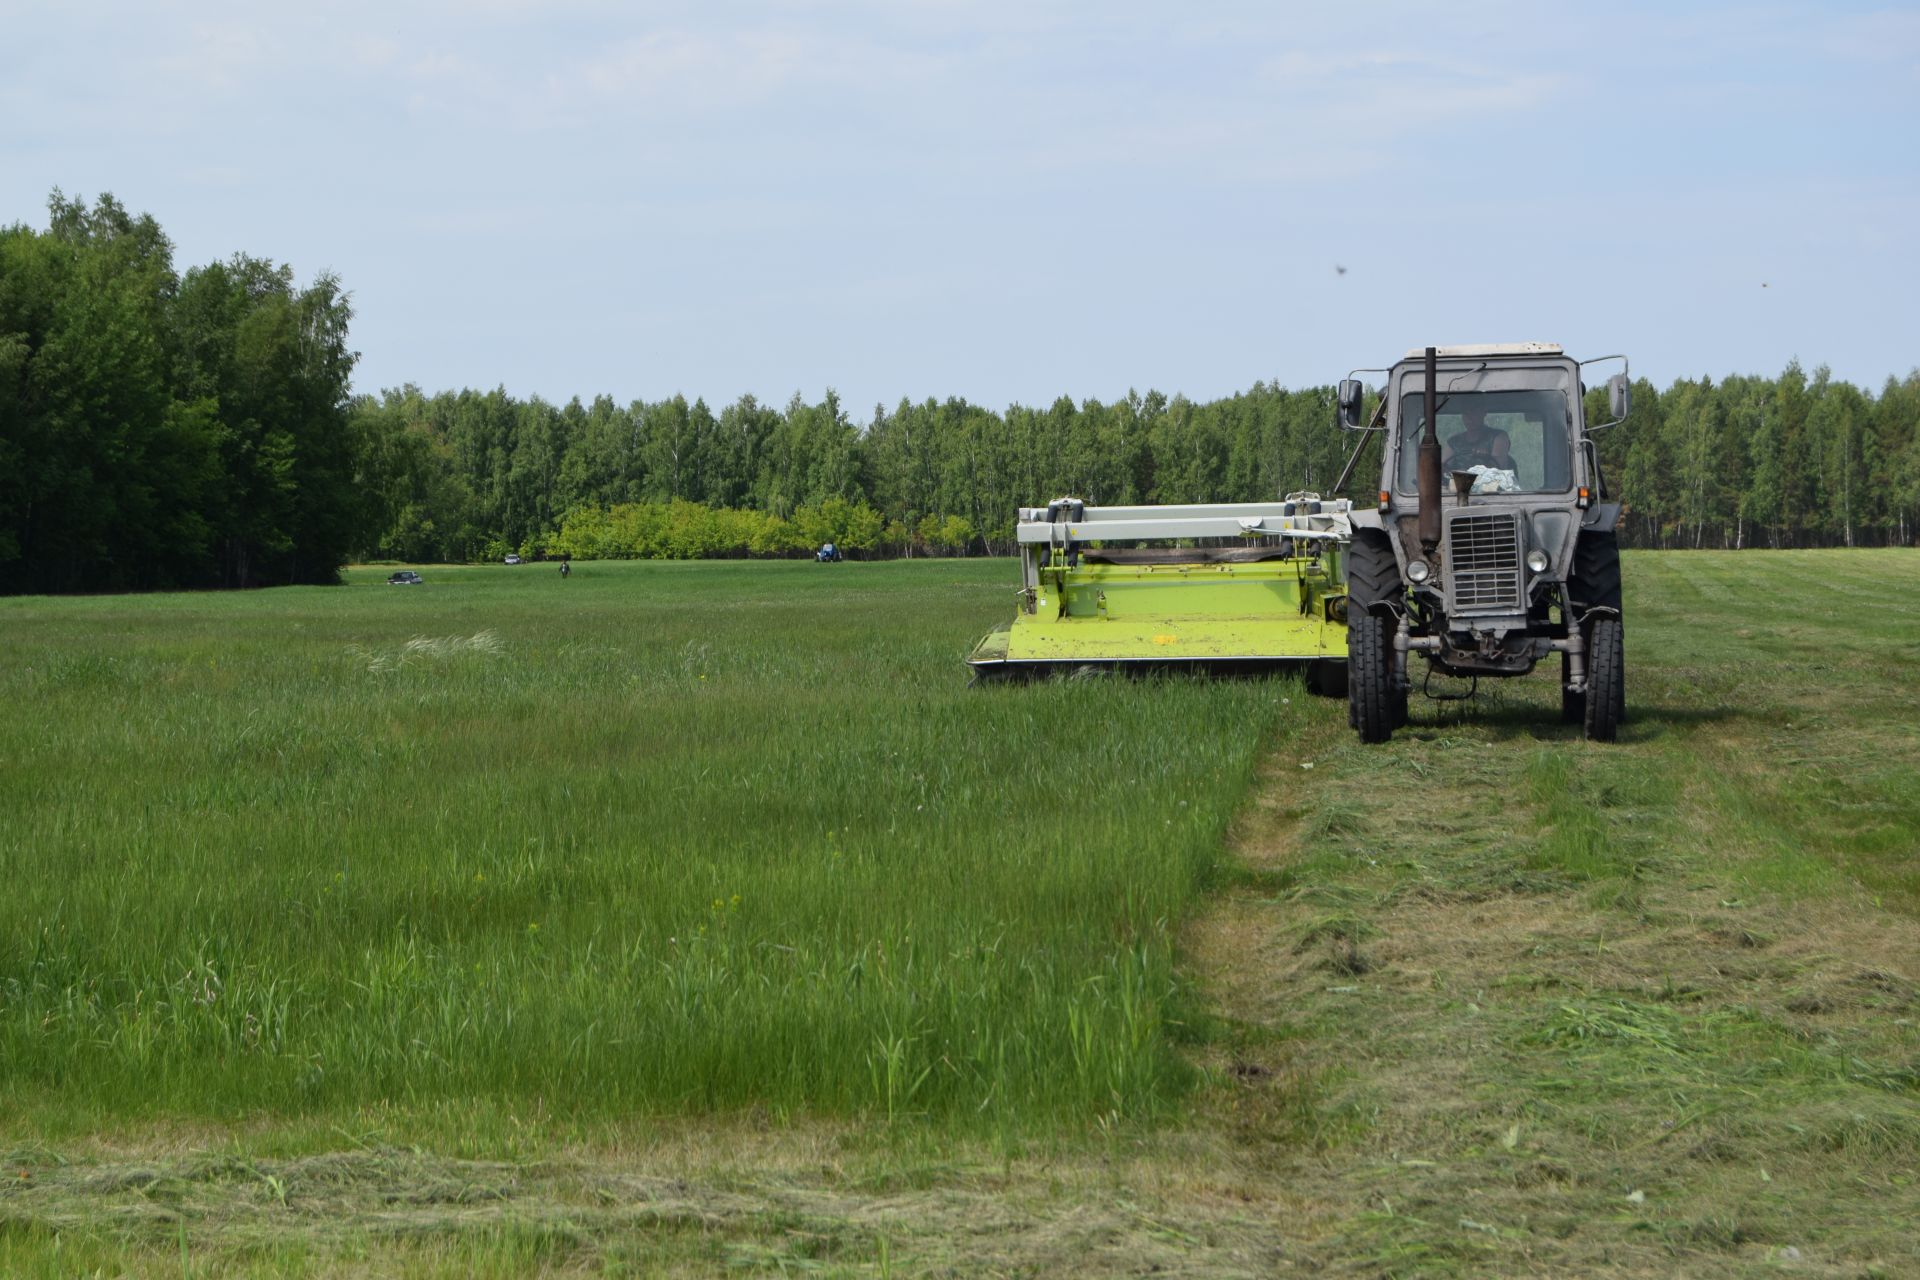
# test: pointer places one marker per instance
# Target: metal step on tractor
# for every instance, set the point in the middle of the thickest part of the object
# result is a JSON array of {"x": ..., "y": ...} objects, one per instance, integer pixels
[
  {"x": 1512, "y": 559},
  {"x": 1508, "y": 559}
]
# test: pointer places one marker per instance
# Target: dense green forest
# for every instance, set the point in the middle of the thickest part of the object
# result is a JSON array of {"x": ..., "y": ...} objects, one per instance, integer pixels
[
  {"x": 159, "y": 429},
  {"x": 468, "y": 475},
  {"x": 1747, "y": 461}
]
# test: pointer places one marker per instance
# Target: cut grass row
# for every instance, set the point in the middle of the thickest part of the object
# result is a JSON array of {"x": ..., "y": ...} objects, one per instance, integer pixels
[{"x": 1550, "y": 1007}]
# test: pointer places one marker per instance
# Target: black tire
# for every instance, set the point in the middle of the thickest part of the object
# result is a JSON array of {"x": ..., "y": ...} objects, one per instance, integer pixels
[
  {"x": 1373, "y": 575},
  {"x": 1595, "y": 584},
  {"x": 1371, "y": 697},
  {"x": 1573, "y": 706},
  {"x": 1596, "y": 573},
  {"x": 1606, "y": 678},
  {"x": 1327, "y": 677},
  {"x": 1376, "y": 709}
]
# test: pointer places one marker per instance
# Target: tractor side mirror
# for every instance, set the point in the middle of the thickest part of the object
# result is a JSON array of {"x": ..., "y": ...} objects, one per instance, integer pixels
[
  {"x": 1619, "y": 396},
  {"x": 1352, "y": 397}
]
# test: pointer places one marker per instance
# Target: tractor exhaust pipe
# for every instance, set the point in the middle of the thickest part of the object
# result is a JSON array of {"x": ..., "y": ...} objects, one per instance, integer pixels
[{"x": 1429, "y": 476}]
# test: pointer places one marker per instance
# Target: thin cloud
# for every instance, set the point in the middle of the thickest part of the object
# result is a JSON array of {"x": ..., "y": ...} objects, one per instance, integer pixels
[{"x": 985, "y": 197}]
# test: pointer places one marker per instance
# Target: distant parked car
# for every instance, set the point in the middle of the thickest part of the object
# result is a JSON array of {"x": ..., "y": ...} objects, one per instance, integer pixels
[
  {"x": 513, "y": 559},
  {"x": 404, "y": 578}
]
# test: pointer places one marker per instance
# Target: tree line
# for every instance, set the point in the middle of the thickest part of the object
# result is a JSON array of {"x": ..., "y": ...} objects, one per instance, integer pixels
[
  {"x": 1786, "y": 461},
  {"x": 163, "y": 430},
  {"x": 1792, "y": 461},
  {"x": 167, "y": 430},
  {"x": 474, "y": 475}
]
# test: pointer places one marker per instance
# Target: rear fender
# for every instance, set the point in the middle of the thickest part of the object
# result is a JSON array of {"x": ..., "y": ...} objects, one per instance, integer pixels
[{"x": 1365, "y": 518}]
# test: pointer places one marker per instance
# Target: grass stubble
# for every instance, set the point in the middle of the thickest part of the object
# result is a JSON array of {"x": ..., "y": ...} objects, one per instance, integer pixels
[
  {"x": 1489, "y": 1000},
  {"x": 1551, "y": 1007}
]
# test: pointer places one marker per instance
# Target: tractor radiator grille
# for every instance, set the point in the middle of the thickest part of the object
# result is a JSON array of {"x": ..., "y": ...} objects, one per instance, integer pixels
[{"x": 1484, "y": 561}]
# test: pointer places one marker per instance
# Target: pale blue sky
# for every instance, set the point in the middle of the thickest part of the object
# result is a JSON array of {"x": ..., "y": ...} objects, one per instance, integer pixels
[{"x": 1007, "y": 201}]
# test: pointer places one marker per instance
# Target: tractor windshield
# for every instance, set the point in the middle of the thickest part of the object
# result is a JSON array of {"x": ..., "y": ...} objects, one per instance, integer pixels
[{"x": 1522, "y": 432}]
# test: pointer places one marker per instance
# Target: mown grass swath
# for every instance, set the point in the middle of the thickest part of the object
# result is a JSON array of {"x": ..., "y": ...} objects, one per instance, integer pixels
[
  {"x": 1641, "y": 1008},
  {"x": 656, "y": 838}
]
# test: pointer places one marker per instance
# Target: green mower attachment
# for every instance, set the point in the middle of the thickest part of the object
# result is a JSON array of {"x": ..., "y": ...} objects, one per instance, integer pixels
[{"x": 1231, "y": 585}]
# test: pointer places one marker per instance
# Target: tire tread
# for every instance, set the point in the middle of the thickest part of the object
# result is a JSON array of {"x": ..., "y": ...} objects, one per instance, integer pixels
[
  {"x": 1606, "y": 679},
  {"x": 1373, "y": 576},
  {"x": 1596, "y": 573},
  {"x": 1370, "y": 691},
  {"x": 1374, "y": 706}
]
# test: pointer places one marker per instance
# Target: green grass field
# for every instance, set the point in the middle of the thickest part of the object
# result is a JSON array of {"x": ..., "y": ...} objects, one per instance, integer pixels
[
  {"x": 659, "y": 838},
  {"x": 699, "y": 919}
]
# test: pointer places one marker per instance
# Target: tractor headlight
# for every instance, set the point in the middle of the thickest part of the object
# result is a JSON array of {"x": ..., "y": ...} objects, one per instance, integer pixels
[
  {"x": 1418, "y": 571},
  {"x": 1537, "y": 560}
]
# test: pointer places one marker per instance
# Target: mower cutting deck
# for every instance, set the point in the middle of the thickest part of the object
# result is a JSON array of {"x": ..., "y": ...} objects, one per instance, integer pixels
[{"x": 1218, "y": 585}]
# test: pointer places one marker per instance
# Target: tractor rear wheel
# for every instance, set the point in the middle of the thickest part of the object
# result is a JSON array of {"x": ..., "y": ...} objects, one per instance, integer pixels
[
  {"x": 1373, "y": 575},
  {"x": 1374, "y": 706},
  {"x": 1606, "y": 678},
  {"x": 1596, "y": 573}
]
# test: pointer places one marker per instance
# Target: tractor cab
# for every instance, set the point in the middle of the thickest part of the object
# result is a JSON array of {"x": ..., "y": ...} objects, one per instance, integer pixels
[{"x": 1521, "y": 436}]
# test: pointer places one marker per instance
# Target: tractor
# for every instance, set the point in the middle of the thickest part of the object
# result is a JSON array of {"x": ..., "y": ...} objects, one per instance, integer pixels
[{"x": 1493, "y": 541}]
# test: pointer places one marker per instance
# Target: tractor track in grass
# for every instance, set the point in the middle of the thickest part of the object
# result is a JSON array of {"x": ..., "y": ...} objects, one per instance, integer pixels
[
  {"x": 1502, "y": 1002},
  {"x": 1468, "y": 1070}
]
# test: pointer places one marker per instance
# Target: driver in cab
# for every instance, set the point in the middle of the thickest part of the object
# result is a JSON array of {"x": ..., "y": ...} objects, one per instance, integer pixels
[{"x": 1477, "y": 445}]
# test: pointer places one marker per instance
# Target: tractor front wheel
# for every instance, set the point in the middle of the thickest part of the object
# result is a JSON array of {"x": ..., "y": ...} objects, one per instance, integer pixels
[
  {"x": 1606, "y": 679},
  {"x": 1375, "y": 707}
]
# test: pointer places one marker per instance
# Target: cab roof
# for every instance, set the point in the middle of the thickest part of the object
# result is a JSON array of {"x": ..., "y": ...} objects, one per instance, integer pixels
[{"x": 1491, "y": 349}]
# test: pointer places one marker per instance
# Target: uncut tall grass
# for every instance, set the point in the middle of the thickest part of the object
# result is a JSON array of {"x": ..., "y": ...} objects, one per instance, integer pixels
[{"x": 658, "y": 838}]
